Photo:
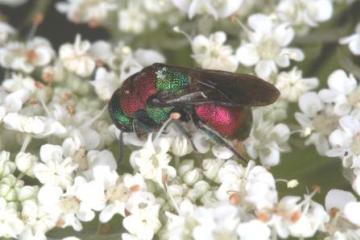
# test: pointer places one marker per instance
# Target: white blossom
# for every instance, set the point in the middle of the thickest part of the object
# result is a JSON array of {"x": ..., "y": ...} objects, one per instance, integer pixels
[
  {"x": 5, "y": 31},
  {"x": 118, "y": 193},
  {"x": 267, "y": 140},
  {"x": 54, "y": 168},
  {"x": 217, "y": 9},
  {"x": 6, "y": 165},
  {"x": 317, "y": 121},
  {"x": 266, "y": 48},
  {"x": 143, "y": 219},
  {"x": 25, "y": 162},
  {"x": 219, "y": 222},
  {"x": 292, "y": 84},
  {"x": 37, "y": 220},
  {"x": 82, "y": 11},
  {"x": 26, "y": 57},
  {"x": 38, "y": 126},
  {"x": 299, "y": 218},
  {"x": 132, "y": 19},
  {"x": 105, "y": 82},
  {"x": 253, "y": 185},
  {"x": 343, "y": 92},
  {"x": 305, "y": 13},
  {"x": 212, "y": 53},
  {"x": 10, "y": 221},
  {"x": 253, "y": 229},
  {"x": 353, "y": 41},
  {"x": 152, "y": 161},
  {"x": 76, "y": 58}
]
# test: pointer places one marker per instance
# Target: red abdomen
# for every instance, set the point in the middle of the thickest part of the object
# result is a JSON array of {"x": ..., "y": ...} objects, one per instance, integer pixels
[{"x": 225, "y": 120}]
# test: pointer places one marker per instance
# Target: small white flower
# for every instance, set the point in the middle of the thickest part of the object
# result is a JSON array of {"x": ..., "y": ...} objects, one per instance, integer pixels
[
  {"x": 231, "y": 175},
  {"x": 215, "y": 8},
  {"x": 181, "y": 145},
  {"x": 37, "y": 126},
  {"x": 345, "y": 141},
  {"x": 302, "y": 12},
  {"x": 37, "y": 220},
  {"x": 211, "y": 168},
  {"x": 193, "y": 176},
  {"x": 26, "y": 57},
  {"x": 353, "y": 41},
  {"x": 102, "y": 51},
  {"x": 219, "y": 222},
  {"x": 254, "y": 185},
  {"x": 76, "y": 58},
  {"x": 143, "y": 219},
  {"x": 292, "y": 85},
  {"x": 312, "y": 219},
  {"x": 70, "y": 208},
  {"x": 317, "y": 119},
  {"x": 260, "y": 188},
  {"x": 146, "y": 57},
  {"x": 352, "y": 211},
  {"x": 253, "y": 229},
  {"x": 19, "y": 82},
  {"x": 267, "y": 46},
  {"x": 132, "y": 19},
  {"x": 180, "y": 226},
  {"x": 152, "y": 161},
  {"x": 6, "y": 165},
  {"x": 277, "y": 111},
  {"x": 5, "y": 31},
  {"x": 343, "y": 92},
  {"x": 343, "y": 209},
  {"x": 25, "y": 162},
  {"x": 91, "y": 194},
  {"x": 201, "y": 141},
  {"x": 105, "y": 83},
  {"x": 54, "y": 168},
  {"x": 211, "y": 53},
  {"x": 92, "y": 12},
  {"x": 11, "y": 224},
  {"x": 337, "y": 199},
  {"x": 118, "y": 193},
  {"x": 267, "y": 140}
]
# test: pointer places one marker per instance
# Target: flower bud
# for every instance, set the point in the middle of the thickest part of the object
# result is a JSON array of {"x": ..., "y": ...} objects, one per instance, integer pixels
[
  {"x": 26, "y": 193},
  {"x": 221, "y": 152},
  {"x": 185, "y": 166},
  {"x": 176, "y": 191},
  {"x": 181, "y": 146},
  {"x": 6, "y": 167},
  {"x": 8, "y": 187},
  {"x": 198, "y": 190},
  {"x": 211, "y": 168},
  {"x": 192, "y": 176},
  {"x": 25, "y": 163}
]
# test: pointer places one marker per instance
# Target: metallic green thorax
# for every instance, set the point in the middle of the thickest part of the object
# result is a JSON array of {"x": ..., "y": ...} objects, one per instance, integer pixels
[
  {"x": 159, "y": 114},
  {"x": 167, "y": 80}
]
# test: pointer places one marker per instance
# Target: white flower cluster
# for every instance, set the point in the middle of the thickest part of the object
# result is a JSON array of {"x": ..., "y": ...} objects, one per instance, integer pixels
[
  {"x": 55, "y": 128},
  {"x": 58, "y": 146}
]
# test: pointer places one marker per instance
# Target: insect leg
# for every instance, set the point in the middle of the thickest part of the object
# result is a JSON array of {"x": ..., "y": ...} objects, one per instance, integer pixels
[
  {"x": 121, "y": 146},
  {"x": 218, "y": 138},
  {"x": 186, "y": 133}
]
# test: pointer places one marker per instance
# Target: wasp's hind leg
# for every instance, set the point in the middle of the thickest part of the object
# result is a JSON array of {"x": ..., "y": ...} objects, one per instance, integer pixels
[
  {"x": 214, "y": 135},
  {"x": 185, "y": 133},
  {"x": 121, "y": 146}
]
